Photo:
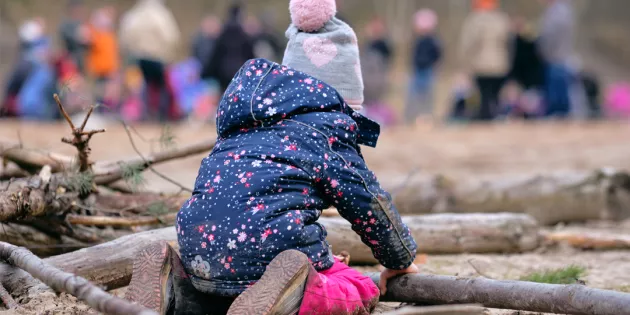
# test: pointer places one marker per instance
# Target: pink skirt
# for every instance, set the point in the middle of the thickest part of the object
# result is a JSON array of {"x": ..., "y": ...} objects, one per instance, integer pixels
[{"x": 339, "y": 290}]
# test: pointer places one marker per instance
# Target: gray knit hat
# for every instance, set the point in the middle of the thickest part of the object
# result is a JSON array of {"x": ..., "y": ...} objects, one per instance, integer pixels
[{"x": 325, "y": 47}]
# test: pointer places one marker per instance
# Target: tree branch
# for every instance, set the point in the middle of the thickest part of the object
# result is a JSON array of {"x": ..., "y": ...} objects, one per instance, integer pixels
[
  {"x": 8, "y": 301},
  {"x": 66, "y": 282},
  {"x": 515, "y": 295},
  {"x": 146, "y": 162},
  {"x": 119, "y": 221}
]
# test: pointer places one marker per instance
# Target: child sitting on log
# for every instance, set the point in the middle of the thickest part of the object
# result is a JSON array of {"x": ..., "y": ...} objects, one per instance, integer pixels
[{"x": 287, "y": 148}]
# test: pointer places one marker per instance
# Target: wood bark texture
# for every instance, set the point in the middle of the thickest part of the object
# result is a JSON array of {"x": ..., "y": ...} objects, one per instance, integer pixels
[
  {"x": 550, "y": 199},
  {"x": 516, "y": 295},
  {"x": 66, "y": 282}
]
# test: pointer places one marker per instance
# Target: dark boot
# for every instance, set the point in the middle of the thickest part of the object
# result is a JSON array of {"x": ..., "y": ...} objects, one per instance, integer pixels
[
  {"x": 151, "y": 284},
  {"x": 189, "y": 301},
  {"x": 279, "y": 291}
]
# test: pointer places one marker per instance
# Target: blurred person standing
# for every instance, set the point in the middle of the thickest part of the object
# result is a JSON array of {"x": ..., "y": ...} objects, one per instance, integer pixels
[
  {"x": 484, "y": 53},
  {"x": 376, "y": 58},
  {"x": 30, "y": 36},
  {"x": 150, "y": 34},
  {"x": 34, "y": 99},
  {"x": 204, "y": 41},
  {"x": 426, "y": 54},
  {"x": 233, "y": 47},
  {"x": 103, "y": 62},
  {"x": 557, "y": 44},
  {"x": 527, "y": 64},
  {"x": 73, "y": 33},
  {"x": 264, "y": 40}
]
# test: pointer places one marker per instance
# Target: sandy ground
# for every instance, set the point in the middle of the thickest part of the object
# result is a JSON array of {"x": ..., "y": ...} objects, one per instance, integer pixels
[{"x": 492, "y": 150}]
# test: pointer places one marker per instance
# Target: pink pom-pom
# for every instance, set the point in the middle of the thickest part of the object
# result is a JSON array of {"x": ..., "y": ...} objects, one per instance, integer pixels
[{"x": 311, "y": 15}]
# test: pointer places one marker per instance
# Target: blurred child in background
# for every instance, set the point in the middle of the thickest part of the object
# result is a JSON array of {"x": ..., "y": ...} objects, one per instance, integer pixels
[{"x": 427, "y": 53}]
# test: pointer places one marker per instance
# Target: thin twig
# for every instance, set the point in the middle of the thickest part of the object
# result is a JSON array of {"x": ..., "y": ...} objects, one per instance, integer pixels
[
  {"x": 481, "y": 273},
  {"x": 7, "y": 299},
  {"x": 63, "y": 112},
  {"x": 135, "y": 148},
  {"x": 85, "y": 120}
]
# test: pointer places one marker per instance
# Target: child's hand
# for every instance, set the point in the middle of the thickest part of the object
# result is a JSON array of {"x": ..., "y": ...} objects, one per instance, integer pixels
[
  {"x": 344, "y": 257},
  {"x": 391, "y": 273}
]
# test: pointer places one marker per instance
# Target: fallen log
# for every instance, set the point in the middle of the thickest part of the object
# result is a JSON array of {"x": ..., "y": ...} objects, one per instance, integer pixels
[
  {"x": 65, "y": 282},
  {"x": 550, "y": 199},
  {"x": 472, "y": 309},
  {"x": 35, "y": 196},
  {"x": 109, "y": 264},
  {"x": 590, "y": 240},
  {"x": 33, "y": 160},
  {"x": 120, "y": 222},
  {"x": 10, "y": 170},
  {"x": 447, "y": 234},
  {"x": 515, "y": 295},
  {"x": 37, "y": 241},
  {"x": 140, "y": 202}
]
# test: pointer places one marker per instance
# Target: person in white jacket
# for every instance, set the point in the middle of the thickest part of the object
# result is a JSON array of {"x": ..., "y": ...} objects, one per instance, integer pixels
[{"x": 150, "y": 35}]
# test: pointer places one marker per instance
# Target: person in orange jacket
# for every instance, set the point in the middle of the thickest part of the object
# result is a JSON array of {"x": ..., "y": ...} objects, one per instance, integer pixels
[{"x": 103, "y": 62}]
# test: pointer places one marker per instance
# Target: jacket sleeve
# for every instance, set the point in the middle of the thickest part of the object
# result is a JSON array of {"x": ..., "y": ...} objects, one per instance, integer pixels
[{"x": 353, "y": 189}]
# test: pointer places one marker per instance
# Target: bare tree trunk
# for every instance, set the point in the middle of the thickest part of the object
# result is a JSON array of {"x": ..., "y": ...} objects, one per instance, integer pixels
[
  {"x": 440, "y": 310},
  {"x": 515, "y": 295},
  {"x": 109, "y": 264},
  {"x": 65, "y": 282},
  {"x": 35, "y": 196},
  {"x": 590, "y": 240},
  {"x": 549, "y": 199},
  {"x": 447, "y": 233}
]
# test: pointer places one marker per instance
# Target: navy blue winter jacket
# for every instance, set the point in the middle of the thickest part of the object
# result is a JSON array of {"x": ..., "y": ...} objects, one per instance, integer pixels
[
  {"x": 427, "y": 52},
  {"x": 287, "y": 148}
]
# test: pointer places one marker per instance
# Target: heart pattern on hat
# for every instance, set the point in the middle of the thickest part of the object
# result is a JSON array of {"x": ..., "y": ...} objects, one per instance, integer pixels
[{"x": 320, "y": 51}]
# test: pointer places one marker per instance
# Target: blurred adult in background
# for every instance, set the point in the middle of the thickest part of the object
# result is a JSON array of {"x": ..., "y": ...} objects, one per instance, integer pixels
[
  {"x": 264, "y": 39},
  {"x": 376, "y": 56},
  {"x": 557, "y": 44},
  {"x": 34, "y": 98},
  {"x": 31, "y": 36},
  {"x": 73, "y": 33},
  {"x": 103, "y": 62},
  {"x": 205, "y": 40},
  {"x": 150, "y": 34},
  {"x": 484, "y": 53},
  {"x": 233, "y": 47},
  {"x": 426, "y": 54},
  {"x": 527, "y": 65}
]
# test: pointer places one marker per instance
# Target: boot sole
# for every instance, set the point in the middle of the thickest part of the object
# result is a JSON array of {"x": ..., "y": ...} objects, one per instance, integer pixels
[
  {"x": 282, "y": 283},
  {"x": 150, "y": 276}
]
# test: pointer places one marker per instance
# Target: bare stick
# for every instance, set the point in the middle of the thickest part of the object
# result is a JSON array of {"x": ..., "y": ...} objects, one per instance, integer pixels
[
  {"x": 63, "y": 112},
  {"x": 110, "y": 171},
  {"x": 515, "y": 295},
  {"x": 471, "y": 309},
  {"x": 119, "y": 221},
  {"x": 87, "y": 117},
  {"x": 66, "y": 282},
  {"x": 8, "y": 301}
]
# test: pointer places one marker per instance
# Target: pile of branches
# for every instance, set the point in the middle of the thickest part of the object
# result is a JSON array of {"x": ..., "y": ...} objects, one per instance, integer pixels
[{"x": 52, "y": 203}]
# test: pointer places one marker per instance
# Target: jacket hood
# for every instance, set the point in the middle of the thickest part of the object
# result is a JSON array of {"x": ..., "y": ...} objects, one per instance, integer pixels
[{"x": 263, "y": 93}]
